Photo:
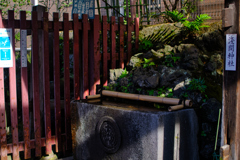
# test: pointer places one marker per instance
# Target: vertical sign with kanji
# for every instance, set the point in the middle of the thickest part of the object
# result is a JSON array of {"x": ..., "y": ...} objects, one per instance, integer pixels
[
  {"x": 231, "y": 52},
  {"x": 23, "y": 44},
  {"x": 6, "y": 59},
  {"x": 84, "y": 7}
]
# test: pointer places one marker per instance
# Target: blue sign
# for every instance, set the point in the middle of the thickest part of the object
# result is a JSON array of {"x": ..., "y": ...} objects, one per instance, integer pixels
[
  {"x": 6, "y": 58},
  {"x": 4, "y": 42},
  {"x": 84, "y": 7},
  {"x": 5, "y": 54}
]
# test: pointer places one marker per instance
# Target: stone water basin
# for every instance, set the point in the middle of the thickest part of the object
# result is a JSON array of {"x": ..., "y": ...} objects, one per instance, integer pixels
[{"x": 113, "y": 131}]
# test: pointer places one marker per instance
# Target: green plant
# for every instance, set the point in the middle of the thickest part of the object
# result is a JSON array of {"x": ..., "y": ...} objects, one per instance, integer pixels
[
  {"x": 169, "y": 92},
  {"x": 139, "y": 90},
  {"x": 195, "y": 25},
  {"x": 205, "y": 98},
  {"x": 173, "y": 16},
  {"x": 124, "y": 73},
  {"x": 151, "y": 92},
  {"x": 197, "y": 85},
  {"x": 147, "y": 63},
  {"x": 145, "y": 45},
  {"x": 161, "y": 92},
  {"x": 170, "y": 60},
  {"x": 184, "y": 95},
  {"x": 125, "y": 89}
]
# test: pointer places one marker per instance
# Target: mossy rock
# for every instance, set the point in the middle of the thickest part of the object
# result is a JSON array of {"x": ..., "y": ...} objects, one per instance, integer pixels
[{"x": 155, "y": 28}]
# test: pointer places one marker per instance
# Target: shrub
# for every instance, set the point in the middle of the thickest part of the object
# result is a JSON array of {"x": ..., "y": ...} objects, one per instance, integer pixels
[{"x": 174, "y": 16}]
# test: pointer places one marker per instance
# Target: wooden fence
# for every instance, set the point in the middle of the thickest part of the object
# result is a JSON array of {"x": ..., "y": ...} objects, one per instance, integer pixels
[{"x": 96, "y": 48}]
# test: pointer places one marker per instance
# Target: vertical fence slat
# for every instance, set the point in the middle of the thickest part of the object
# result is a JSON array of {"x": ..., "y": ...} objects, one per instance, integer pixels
[
  {"x": 85, "y": 55},
  {"x": 136, "y": 33},
  {"x": 121, "y": 42},
  {"x": 46, "y": 84},
  {"x": 56, "y": 62},
  {"x": 76, "y": 57},
  {"x": 96, "y": 41},
  {"x": 35, "y": 77},
  {"x": 25, "y": 103},
  {"x": 129, "y": 39},
  {"x": 104, "y": 56},
  {"x": 67, "y": 81},
  {"x": 13, "y": 91},
  {"x": 133, "y": 9},
  {"x": 3, "y": 132},
  {"x": 94, "y": 56},
  {"x": 113, "y": 43}
]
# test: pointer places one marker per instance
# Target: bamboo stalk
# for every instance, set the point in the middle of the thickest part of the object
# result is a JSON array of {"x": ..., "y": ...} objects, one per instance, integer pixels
[
  {"x": 93, "y": 96},
  {"x": 170, "y": 101},
  {"x": 174, "y": 108},
  {"x": 94, "y": 101}
]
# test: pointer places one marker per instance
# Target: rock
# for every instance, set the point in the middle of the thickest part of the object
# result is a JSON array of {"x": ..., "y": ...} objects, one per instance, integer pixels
[
  {"x": 180, "y": 87},
  {"x": 123, "y": 81},
  {"x": 168, "y": 49},
  {"x": 148, "y": 54},
  {"x": 210, "y": 110},
  {"x": 213, "y": 41},
  {"x": 136, "y": 60},
  {"x": 145, "y": 32},
  {"x": 190, "y": 55},
  {"x": 115, "y": 74},
  {"x": 145, "y": 78},
  {"x": 157, "y": 54},
  {"x": 215, "y": 62},
  {"x": 169, "y": 77},
  {"x": 152, "y": 81}
]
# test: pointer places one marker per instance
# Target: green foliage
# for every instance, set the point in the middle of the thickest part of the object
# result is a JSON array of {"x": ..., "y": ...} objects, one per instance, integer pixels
[
  {"x": 148, "y": 63},
  {"x": 197, "y": 85},
  {"x": 124, "y": 73},
  {"x": 110, "y": 87},
  {"x": 151, "y": 92},
  {"x": 195, "y": 25},
  {"x": 184, "y": 95},
  {"x": 162, "y": 92},
  {"x": 17, "y": 36},
  {"x": 170, "y": 60},
  {"x": 145, "y": 45},
  {"x": 174, "y": 16},
  {"x": 125, "y": 89}
]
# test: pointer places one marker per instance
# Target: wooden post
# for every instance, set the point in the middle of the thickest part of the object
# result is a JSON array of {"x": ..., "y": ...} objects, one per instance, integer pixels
[
  {"x": 231, "y": 85},
  {"x": 40, "y": 9}
]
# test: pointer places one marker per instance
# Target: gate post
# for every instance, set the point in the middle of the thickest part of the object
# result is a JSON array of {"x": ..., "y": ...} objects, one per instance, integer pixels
[{"x": 230, "y": 130}]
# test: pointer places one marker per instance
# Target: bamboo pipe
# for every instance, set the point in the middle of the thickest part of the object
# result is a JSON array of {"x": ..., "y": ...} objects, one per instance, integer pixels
[
  {"x": 93, "y": 96},
  {"x": 174, "y": 108},
  {"x": 170, "y": 101},
  {"x": 94, "y": 101}
]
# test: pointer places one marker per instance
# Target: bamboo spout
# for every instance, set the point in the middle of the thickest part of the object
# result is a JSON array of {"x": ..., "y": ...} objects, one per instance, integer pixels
[
  {"x": 169, "y": 101},
  {"x": 174, "y": 108}
]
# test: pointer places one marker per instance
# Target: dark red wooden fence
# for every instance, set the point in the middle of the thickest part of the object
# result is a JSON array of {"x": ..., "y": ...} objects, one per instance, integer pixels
[{"x": 91, "y": 52}]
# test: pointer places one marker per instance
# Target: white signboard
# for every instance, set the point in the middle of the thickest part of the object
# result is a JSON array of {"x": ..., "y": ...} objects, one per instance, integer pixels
[
  {"x": 23, "y": 44},
  {"x": 231, "y": 52},
  {"x": 6, "y": 59}
]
